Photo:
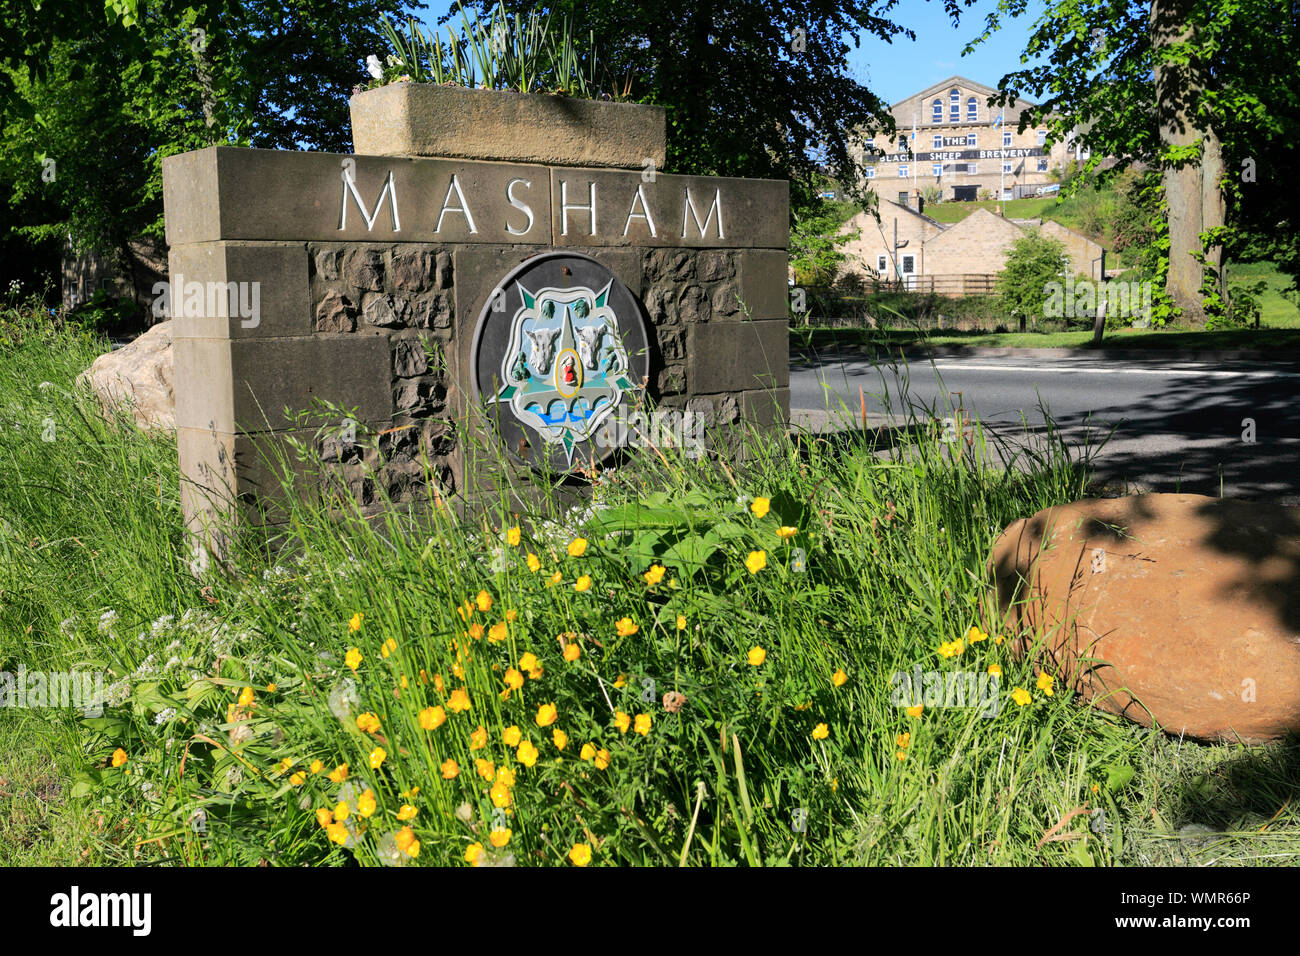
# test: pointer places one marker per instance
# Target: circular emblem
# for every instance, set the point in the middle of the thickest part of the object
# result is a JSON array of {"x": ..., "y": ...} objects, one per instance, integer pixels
[{"x": 559, "y": 347}]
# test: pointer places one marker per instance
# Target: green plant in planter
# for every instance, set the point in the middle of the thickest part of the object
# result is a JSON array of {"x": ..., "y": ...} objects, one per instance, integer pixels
[{"x": 526, "y": 54}]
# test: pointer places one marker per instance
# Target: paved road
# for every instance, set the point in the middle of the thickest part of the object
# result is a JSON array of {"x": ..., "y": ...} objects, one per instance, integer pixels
[{"x": 1177, "y": 425}]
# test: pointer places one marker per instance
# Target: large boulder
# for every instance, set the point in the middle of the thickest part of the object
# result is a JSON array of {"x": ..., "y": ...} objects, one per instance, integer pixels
[
  {"x": 138, "y": 379},
  {"x": 1178, "y": 609}
]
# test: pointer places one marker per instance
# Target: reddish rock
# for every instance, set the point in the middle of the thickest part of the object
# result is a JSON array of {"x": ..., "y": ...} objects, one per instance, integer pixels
[
  {"x": 138, "y": 379},
  {"x": 1179, "y": 608}
]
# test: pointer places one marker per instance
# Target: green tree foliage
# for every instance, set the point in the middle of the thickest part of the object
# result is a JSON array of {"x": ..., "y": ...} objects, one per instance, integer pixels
[
  {"x": 1229, "y": 69},
  {"x": 1033, "y": 261},
  {"x": 108, "y": 89},
  {"x": 816, "y": 244},
  {"x": 752, "y": 88}
]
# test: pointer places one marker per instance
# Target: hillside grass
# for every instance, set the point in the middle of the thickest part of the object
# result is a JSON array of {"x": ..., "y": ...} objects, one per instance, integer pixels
[{"x": 417, "y": 650}]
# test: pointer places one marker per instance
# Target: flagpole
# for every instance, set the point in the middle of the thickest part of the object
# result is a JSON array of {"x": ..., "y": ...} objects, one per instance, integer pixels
[
  {"x": 1002, "y": 166},
  {"x": 914, "y": 159}
]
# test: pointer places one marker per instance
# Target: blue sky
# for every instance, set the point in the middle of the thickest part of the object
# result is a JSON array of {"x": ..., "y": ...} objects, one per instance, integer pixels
[{"x": 895, "y": 71}]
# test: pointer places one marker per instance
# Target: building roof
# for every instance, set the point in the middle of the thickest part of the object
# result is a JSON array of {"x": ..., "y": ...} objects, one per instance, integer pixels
[{"x": 1013, "y": 111}]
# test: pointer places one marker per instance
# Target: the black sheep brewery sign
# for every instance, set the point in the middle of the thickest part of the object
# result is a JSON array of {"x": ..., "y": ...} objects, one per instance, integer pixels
[{"x": 560, "y": 345}]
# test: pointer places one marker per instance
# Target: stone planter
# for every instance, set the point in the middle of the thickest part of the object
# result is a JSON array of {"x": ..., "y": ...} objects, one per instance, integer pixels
[{"x": 421, "y": 119}]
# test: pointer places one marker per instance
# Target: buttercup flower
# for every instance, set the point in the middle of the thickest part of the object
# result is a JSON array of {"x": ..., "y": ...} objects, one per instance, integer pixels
[
  {"x": 1021, "y": 697},
  {"x": 246, "y": 697},
  {"x": 821, "y": 732},
  {"x": 572, "y": 652},
  {"x": 317, "y": 766},
  {"x": 431, "y": 718},
  {"x": 485, "y": 768},
  {"x": 387, "y": 648},
  {"x": 577, "y": 547},
  {"x": 534, "y": 563},
  {"x": 527, "y": 753},
  {"x": 622, "y": 721},
  {"x": 119, "y": 757},
  {"x": 1045, "y": 682},
  {"x": 602, "y": 759},
  {"x": 353, "y": 659},
  {"x": 587, "y": 752},
  {"x": 505, "y": 776},
  {"x": 555, "y": 578},
  {"x": 339, "y": 773},
  {"x": 530, "y": 663},
  {"x": 323, "y": 817},
  {"x": 838, "y": 678},
  {"x": 337, "y": 833},
  {"x": 377, "y": 758},
  {"x": 580, "y": 855},
  {"x": 500, "y": 837},
  {"x": 513, "y": 679},
  {"x": 620, "y": 681},
  {"x": 975, "y": 635},
  {"x": 483, "y": 601},
  {"x": 476, "y": 631},
  {"x": 756, "y": 561},
  {"x": 583, "y": 583},
  {"x": 681, "y": 622},
  {"x": 366, "y": 804},
  {"x": 512, "y": 735},
  {"x": 406, "y": 842},
  {"x": 478, "y": 739},
  {"x": 513, "y": 536},
  {"x": 450, "y": 769},
  {"x": 500, "y": 795},
  {"x": 297, "y": 780},
  {"x": 655, "y": 574},
  {"x": 756, "y": 656},
  {"x": 903, "y": 740},
  {"x": 368, "y": 723},
  {"x": 914, "y": 711},
  {"x": 995, "y": 670},
  {"x": 642, "y": 724},
  {"x": 626, "y": 627},
  {"x": 459, "y": 700},
  {"x": 786, "y": 532},
  {"x": 559, "y": 738},
  {"x": 407, "y": 812},
  {"x": 354, "y": 625},
  {"x": 340, "y": 812},
  {"x": 473, "y": 852},
  {"x": 545, "y": 715},
  {"x": 498, "y": 632},
  {"x": 760, "y": 506}
]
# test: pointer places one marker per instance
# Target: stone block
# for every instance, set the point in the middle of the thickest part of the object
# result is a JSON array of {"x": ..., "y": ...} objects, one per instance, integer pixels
[{"x": 738, "y": 356}]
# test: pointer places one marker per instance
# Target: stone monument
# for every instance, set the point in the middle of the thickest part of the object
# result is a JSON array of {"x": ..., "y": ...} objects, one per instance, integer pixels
[{"x": 521, "y": 286}]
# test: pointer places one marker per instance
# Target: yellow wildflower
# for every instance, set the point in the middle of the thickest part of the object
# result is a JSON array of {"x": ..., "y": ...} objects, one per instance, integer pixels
[
  {"x": 559, "y": 738},
  {"x": 406, "y": 842},
  {"x": 246, "y": 697},
  {"x": 478, "y": 739},
  {"x": 483, "y": 601},
  {"x": 513, "y": 536},
  {"x": 368, "y": 722},
  {"x": 577, "y": 547},
  {"x": 377, "y": 758},
  {"x": 431, "y": 718},
  {"x": 1021, "y": 697},
  {"x": 655, "y": 574},
  {"x": 681, "y": 622},
  {"x": 387, "y": 648},
  {"x": 626, "y": 627},
  {"x": 473, "y": 852},
  {"x": 821, "y": 732},
  {"x": 354, "y": 625},
  {"x": 914, "y": 711},
  {"x": 366, "y": 804},
  {"x": 323, "y": 817},
  {"x": 642, "y": 724},
  {"x": 353, "y": 659},
  {"x": 545, "y": 715},
  {"x": 580, "y": 855},
  {"x": 500, "y": 837},
  {"x": 527, "y": 753},
  {"x": 341, "y": 812},
  {"x": 756, "y": 561},
  {"x": 459, "y": 700},
  {"x": 1045, "y": 682},
  {"x": 839, "y": 678},
  {"x": 587, "y": 752},
  {"x": 512, "y": 735},
  {"x": 995, "y": 670},
  {"x": 786, "y": 532},
  {"x": 534, "y": 563},
  {"x": 119, "y": 757},
  {"x": 903, "y": 740},
  {"x": 622, "y": 721},
  {"x": 583, "y": 583},
  {"x": 572, "y": 652},
  {"x": 339, "y": 773},
  {"x": 317, "y": 766},
  {"x": 513, "y": 679},
  {"x": 500, "y": 795},
  {"x": 760, "y": 506},
  {"x": 756, "y": 656},
  {"x": 602, "y": 759},
  {"x": 407, "y": 812},
  {"x": 450, "y": 769},
  {"x": 337, "y": 833}
]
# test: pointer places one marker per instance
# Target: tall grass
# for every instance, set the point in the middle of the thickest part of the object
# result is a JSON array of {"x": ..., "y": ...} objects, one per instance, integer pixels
[{"x": 350, "y": 636}]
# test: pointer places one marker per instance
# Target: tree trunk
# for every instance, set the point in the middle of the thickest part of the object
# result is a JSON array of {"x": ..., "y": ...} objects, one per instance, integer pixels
[
  {"x": 1178, "y": 87},
  {"x": 1212, "y": 205}
]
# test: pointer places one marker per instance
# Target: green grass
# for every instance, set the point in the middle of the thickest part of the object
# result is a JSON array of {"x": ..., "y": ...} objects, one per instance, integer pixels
[
  {"x": 1161, "y": 340},
  {"x": 94, "y": 572},
  {"x": 950, "y": 212}
]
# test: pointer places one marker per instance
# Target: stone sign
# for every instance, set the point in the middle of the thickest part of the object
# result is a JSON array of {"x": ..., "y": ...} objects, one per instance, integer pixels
[{"x": 411, "y": 293}]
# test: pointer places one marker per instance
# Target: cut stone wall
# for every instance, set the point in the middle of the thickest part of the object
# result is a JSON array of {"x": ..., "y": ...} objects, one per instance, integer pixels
[{"x": 371, "y": 276}]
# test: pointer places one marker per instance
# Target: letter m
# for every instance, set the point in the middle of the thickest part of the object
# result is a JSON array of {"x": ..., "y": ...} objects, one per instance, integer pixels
[
  {"x": 690, "y": 212},
  {"x": 389, "y": 190}
]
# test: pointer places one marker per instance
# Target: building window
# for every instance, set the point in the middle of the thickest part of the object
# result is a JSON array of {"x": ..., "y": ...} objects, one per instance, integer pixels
[
  {"x": 871, "y": 172},
  {"x": 972, "y": 110},
  {"x": 869, "y": 146},
  {"x": 937, "y": 116},
  {"x": 1042, "y": 164},
  {"x": 909, "y": 264},
  {"x": 972, "y": 169},
  {"x": 938, "y": 142},
  {"x": 938, "y": 169},
  {"x": 881, "y": 263},
  {"x": 1006, "y": 167},
  {"x": 1006, "y": 139},
  {"x": 902, "y": 172},
  {"x": 971, "y": 139},
  {"x": 954, "y": 107},
  {"x": 1042, "y": 137}
]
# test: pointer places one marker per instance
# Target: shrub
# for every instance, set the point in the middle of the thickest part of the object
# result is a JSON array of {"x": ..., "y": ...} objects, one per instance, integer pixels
[{"x": 1034, "y": 261}]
